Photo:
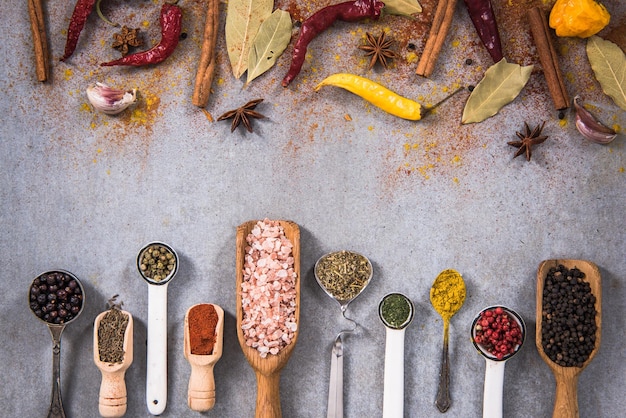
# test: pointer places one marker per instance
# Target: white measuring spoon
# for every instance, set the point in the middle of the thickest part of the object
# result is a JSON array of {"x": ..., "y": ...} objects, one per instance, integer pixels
[
  {"x": 494, "y": 371},
  {"x": 393, "y": 393},
  {"x": 156, "y": 375}
]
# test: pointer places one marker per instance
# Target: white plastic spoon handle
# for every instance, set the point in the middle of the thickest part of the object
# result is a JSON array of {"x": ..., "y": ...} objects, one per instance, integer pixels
[
  {"x": 393, "y": 394},
  {"x": 492, "y": 394},
  {"x": 156, "y": 377}
]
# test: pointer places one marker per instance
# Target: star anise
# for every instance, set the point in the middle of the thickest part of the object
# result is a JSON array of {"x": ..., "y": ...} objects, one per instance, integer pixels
[
  {"x": 242, "y": 115},
  {"x": 527, "y": 140},
  {"x": 125, "y": 39},
  {"x": 379, "y": 49}
]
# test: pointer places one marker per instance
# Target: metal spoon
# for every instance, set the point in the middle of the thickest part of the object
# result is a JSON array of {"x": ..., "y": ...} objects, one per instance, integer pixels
[
  {"x": 494, "y": 371},
  {"x": 393, "y": 393},
  {"x": 156, "y": 376},
  {"x": 56, "y": 405},
  {"x": 447, "y": 281},
  {"x": 335, "y": 390}
]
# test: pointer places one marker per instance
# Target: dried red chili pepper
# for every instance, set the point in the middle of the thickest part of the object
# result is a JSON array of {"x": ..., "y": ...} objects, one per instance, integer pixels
[
  {"x": 350, "y": 11},
  {"x": 484, "y": 19},
  {"x": 171, "y": 20},
  {"x": 82, "y": 10}
]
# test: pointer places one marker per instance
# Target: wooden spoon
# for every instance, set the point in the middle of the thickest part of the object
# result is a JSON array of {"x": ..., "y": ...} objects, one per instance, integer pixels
[
  {"x": 267, "y": 369},
  {"x": 112, "y": 400},
  {"x": 201, "y": 390},
  {"x": 566, "y": 399}
]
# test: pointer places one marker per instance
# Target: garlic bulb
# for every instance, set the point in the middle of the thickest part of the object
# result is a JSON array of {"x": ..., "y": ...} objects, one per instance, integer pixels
[
  {"x": 109, "y": 100},
  {"x": 590, "y": 127}
]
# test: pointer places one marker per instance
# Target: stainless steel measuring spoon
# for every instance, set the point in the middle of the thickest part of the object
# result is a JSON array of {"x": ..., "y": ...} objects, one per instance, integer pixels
[
  {"x": 335, "y": 390},
  {"x": 494, "y": 371},
  {"x": 396, "y": 312},
  {"x": 65, "y": 297},
  {"x": 156, "y": 375}
]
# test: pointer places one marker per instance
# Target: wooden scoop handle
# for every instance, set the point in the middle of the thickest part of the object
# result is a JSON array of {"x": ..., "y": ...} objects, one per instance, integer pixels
[
  {"x": 566, "y": 398},
  {"x": 268, "y": 395},
  {"x": 112, "y": 402},
  {"x": 201, "y": 391}
]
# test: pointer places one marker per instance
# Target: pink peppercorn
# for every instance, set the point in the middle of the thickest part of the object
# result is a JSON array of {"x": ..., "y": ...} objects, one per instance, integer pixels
[{"x": 497, "y": 332}]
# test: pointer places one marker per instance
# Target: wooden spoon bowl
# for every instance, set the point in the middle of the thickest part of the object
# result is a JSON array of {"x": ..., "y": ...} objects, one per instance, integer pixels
[
  {"x": 201, "y": 389},
  {"x": 113, "y": 397},
  {"x": 566, "y": 398},
  {"x": 267, "y": 369}
]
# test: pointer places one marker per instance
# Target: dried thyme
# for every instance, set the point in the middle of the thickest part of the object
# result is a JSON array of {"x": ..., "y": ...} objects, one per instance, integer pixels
[
  {"x": 111, "y": 332},
  {"x": 343, "y": 274}
]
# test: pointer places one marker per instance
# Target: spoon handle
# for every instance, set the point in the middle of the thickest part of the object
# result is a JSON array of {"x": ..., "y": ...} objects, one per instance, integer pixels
[
  {"x": 56, "y": 406},
  {"x": 443, "y": 401},
  {"x": 112, "y": 399},
  {"x": 393, "y": 391},
  {"x": 566, "y": 397},
  {"x": 335, "y": 387},
  {"x": 268, "y": 395},
  {"x": 201, "y": 389},
  {"x": 492, "y": 393},
  {"x": 156, "y": 375}
]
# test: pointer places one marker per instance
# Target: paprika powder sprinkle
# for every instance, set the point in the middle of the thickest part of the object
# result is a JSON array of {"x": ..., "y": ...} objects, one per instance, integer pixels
[
  {"x": 202, "y": 323},
  {"x": 349, "y": 11},
  {"x": 171, "y": 21}
]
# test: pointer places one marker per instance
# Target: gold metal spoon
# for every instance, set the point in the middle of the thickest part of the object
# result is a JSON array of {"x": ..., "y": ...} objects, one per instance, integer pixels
[{"x": 449, "y": 286}]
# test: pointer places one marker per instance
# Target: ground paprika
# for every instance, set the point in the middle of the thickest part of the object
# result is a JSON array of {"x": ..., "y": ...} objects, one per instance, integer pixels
[{"x": 202, "y": 323}]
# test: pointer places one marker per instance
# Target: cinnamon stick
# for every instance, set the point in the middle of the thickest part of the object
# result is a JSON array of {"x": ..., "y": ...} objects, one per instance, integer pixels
[
  {"x": 548, "y": 58},
  {"x": 206, "y": 67},
  {"x": 40, "y": 41},
  {"x": 436, "y": 37}
]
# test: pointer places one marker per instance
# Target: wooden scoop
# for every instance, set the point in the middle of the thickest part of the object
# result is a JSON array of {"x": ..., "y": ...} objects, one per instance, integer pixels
[
  {"x": 267, "y": 369},
  {"x": 112, "y": 400},
  {"x": 201, "y": 390},
  {"x": 566, "y": 399}
]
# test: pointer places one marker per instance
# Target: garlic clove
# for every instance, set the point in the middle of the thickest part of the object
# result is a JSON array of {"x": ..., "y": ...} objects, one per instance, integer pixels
[
  {"x": 109, "y": 100},
  {"x": 590, "y": 127}
]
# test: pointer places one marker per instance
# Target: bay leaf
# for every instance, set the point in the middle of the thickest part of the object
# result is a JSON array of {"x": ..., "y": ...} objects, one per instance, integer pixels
[
  {"x": 402, "y": 7},
  {"x": 269, "y": 43},
  {"x": 500, "y": 85},
  {"x": 243, "y": 19},
  {"x": 608, "y": 63}
]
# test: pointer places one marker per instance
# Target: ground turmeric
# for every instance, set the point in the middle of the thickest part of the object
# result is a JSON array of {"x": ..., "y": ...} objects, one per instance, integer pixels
[{"x": 447, "y": 293}]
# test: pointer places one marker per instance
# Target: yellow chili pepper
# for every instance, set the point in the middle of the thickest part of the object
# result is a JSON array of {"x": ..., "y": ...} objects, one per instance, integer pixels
[
  {"x": 376, "y": 94},
  {"x": 581, "y": 18}
]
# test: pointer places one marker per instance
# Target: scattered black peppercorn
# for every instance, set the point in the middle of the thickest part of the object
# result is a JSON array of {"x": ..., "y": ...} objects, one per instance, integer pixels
[
  {"x": 470, "y": 88},
  {"x": 469, "y": 61},
  {"x": 568, "y": 333},
  {"x": 49, "y": 294}
]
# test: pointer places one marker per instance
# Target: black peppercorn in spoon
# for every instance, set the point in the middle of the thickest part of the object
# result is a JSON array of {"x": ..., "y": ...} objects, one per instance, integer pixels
[
  {"x": 587, "y": 274},
  {"x": 56, "y": 298}
]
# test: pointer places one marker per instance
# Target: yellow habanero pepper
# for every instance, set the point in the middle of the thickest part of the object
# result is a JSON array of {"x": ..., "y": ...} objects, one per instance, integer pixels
[
  {"x": 581, "y": 18},
  {"x": 376, "y": 94}
]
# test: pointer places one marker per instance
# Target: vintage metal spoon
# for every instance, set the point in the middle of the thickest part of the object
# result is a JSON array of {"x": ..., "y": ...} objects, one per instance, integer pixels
[
  {"x": 355, "y": 283},
  {"x": 450, "y": 285},
  {"x": 396, "y": 312},
  {"x": 156, "y": 375},
  {"x": 494, "y": 370},
  {"x": 56, "y": 330}
]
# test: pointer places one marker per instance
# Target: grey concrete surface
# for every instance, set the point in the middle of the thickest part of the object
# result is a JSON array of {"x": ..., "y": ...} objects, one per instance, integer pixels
[{"x": 84, "y": 192}]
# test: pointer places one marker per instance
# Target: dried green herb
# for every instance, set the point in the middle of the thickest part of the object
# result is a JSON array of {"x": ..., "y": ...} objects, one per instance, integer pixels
[
  {"x": 395, "y": 310},
  {"x": 343, "y": 274},
  {"x": 111, "y": 332}
]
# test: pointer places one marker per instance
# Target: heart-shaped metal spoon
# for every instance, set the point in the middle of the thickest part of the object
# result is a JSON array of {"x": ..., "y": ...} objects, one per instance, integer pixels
[
  {"x": 495, "y": 357},
  {"x": 56, "y": 298},
  {"x": 343, "y": 275},
  {"x": 158, "y": 264}
]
